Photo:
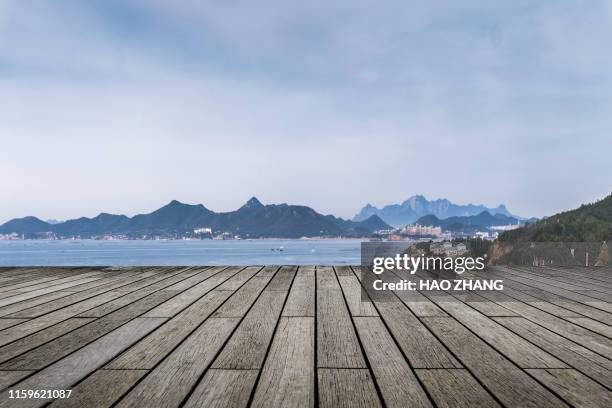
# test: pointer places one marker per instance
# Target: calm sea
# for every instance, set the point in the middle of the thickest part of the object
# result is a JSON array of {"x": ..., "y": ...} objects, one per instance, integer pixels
[{"x": 206, "y": 252}]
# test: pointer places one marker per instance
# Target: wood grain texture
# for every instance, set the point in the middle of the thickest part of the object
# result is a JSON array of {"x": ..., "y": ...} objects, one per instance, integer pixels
[
  {"x": 288, "y": 375},
  {"x": 101, "y": 389},
  {"x": 573, "y": 354},
  {"x": 8, "y": 378},
  {"x": 352, "y": 292},
  {"x": 450, "y": 388},
  {"x": 6, "y": 323},
  {"x": 64, "y": 345},
  {"x": 420, "y": 346},
  {"x": 301, "y": 300},
  {"x": 30, "y": 342},
  {"x": 283, "y": 278},
  {"x": 152, "y": 349},
  {"x": 71, "y": 369},
  {"x": 243, "y": 298},
  {"x": 339, "y": 388},
  {"x": 171, "y": 381},
  {"x": 574, "y": 387},
  {"x": 337, "y": 344},
  {"x": 247, "y": 347},
  {"x": 514, "y": 347},
  {"x": 223, "y": 388},
  {"x": 398, "y": 384},
  {"x": 511, "y": 385},
  {"x": 287, "y": 336}
]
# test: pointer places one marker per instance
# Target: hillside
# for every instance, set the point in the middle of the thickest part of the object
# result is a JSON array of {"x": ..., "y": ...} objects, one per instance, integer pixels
[
  {"x": 252, "y": 220},
  {"x": 588, "y": 223},
  {"x": 418, "y": 206},
  {"x": 481, "y": 221}
]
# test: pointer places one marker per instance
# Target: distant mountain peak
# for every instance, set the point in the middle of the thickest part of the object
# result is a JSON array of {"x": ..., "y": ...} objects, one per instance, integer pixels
[
  {"x": 253, "y": 203},
  {"x": 418, "y": 205}
]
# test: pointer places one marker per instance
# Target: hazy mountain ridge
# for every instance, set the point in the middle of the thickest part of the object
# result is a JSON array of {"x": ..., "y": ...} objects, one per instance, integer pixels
[
  {"x": 479, "y": 222},
  {"x": 252, "y": 220},
  {"x": 417, "y": 206}
]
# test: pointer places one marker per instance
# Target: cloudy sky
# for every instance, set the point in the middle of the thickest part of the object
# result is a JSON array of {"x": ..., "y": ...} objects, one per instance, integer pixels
[{"x": 121, "y": 106}]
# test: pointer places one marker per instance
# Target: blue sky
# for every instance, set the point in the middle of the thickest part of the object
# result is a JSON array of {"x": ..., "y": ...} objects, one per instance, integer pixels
[{"x": 121, "y": 106}]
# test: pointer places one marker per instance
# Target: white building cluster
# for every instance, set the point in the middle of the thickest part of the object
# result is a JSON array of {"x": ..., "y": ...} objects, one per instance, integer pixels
[{"x": 419, "y": 230}]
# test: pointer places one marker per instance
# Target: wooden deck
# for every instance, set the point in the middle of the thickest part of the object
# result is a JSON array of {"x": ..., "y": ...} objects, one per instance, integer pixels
[{"x": 288, "y": 337}]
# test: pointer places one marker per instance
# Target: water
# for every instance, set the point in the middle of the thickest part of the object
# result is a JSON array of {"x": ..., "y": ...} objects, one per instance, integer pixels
[{"x": 206, "y": 252}]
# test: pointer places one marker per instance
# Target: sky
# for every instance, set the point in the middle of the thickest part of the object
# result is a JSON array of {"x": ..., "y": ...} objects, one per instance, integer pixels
[{"x": 122, "y": 106}]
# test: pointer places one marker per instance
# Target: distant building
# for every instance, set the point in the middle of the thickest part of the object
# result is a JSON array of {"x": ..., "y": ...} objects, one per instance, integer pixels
[
  {"x": 420, "y": 230},
  {"x": 448, "y": 249}
]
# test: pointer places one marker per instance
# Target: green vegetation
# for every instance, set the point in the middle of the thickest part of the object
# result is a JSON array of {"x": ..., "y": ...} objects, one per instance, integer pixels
[{"x": 589, "y": 223}]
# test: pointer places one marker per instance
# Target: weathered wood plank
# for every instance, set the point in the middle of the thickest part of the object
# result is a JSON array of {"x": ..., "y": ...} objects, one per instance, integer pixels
[
  {"x": 125, "y": 299},
  {"x": 6, "y": 323},
  {"x": 592, "y": 325},
  {"x": 337, "y": 344},
  {"x": 153, "y": 348},
  {"x": 8, "y": 378},
  {"x": 240, "y": 276},
  {"x": 418, "y": 304},
  {"x": 171, "y": 381},
  {"x": 62, "y": 346},
  {"x": 36, "y": 281},
  {"x": 283, "y": 278},
  {"x": 8, "y": 294},
  {"x": 577, "y": 356},
  {"x": 49, "y": 282},
  {"x": 398, "y": 385},
  {"x": 29, "y": 295},
  {"x": 419, "y": 345},
  {"x": 586, "y": 338},
  {"x": 301, "y": 300},
  {"x": 71, "y": 369},
  {"x": 34, "y": 340},
  {"x": 243, "y": 298},
  {"x": 551, "y": 288},
  {"x": 353, "y": 388},
  {"x": 352, "y": 292},
  {"x": 450, "y": 388},
  {"x": 573, "y": 387},
  {"x": 200, "y": 274},
  {"x": 517, "y": 349},
  {"x": 53, "y": 301},
  {"x": 191, "y": 294},
  {"x": 222, "y": 389},
  {"x": 101, "y": 389},
  {"x": 306, "y": 271},
  {"x": 511, "y": 385},
  {"x": 32, "y": 326},
  {"x": 247, "y": 347},
  {"x": 343, "y": 270},
  {"x": 269, "y": 270},
  {"x": 288, "y": 376},
  {"x": 507, "y": 341}
]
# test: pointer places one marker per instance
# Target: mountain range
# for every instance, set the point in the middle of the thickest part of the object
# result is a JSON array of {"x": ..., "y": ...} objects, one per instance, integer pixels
[
  {"x": 252, "y": 220},
  {"x": 399, "y": 215},
  {"x": 479, "y": 222}
]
